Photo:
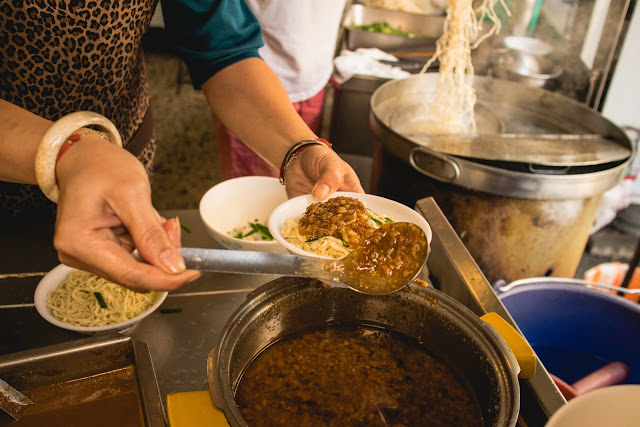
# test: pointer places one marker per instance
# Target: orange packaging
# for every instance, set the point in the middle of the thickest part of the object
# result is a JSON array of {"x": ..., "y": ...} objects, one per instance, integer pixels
[{"x": 612, "y": 274}]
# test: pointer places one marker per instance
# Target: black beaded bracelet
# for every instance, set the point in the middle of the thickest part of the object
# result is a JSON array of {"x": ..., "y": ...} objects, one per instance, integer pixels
[{"x": 296, "y": 149}]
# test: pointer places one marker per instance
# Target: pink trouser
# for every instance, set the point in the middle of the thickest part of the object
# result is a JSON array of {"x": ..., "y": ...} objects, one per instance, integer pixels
[{"x": 236, "y": 159}]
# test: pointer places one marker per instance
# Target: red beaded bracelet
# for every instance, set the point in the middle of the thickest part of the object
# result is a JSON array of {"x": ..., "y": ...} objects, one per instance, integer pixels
[{"x": 296, "y": 149}]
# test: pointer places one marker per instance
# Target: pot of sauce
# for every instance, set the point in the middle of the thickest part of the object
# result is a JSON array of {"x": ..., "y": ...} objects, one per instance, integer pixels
[
  {"x": 416, "y": 326},
  {"x": 522, "y": 195}
]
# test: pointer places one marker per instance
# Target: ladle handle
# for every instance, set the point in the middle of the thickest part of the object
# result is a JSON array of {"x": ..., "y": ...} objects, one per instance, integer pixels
[{"x": 249, "y": 262}]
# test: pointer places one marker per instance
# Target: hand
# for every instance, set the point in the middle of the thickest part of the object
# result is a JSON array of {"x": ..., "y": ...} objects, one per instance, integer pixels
[
  {"x": 105, "y": 210},
  {"x": 320, "y": 171}
]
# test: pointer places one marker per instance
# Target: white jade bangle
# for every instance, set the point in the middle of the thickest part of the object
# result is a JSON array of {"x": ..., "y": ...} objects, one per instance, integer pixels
[{"x": 54, "y": 139}]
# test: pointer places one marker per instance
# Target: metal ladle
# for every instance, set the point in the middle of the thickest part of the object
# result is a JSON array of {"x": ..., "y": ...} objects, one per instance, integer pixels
[{"x": 387, "y": 260}]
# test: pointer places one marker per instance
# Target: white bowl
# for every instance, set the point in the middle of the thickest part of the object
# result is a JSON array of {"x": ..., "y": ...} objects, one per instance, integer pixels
[
  {"x": 296, "y": 207},
  {"x": 606, "y": 406},
  {"x": 235, "y": 202},
  {"x": 53, "y": 279}
]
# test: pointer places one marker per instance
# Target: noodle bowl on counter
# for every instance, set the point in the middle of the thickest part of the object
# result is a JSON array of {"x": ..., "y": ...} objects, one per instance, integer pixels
[
  {"x": 84, "y": 299},
  {"x": 83, "y": 302}
]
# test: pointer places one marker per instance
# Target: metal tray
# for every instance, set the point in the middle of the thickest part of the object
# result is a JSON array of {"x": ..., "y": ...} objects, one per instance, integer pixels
[
  {"x": 427, "y": 28},
  {"x": 83, "y": 358}
]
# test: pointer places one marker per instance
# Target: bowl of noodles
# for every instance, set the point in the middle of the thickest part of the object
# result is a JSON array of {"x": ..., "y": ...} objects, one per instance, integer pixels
[
  {"x": 83, "y": 302},
  {"x": 333, "y": 228}
]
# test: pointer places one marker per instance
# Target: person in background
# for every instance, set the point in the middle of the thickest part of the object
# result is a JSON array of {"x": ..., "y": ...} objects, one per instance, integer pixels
[
  {"x": 299, "y": 45},
  {"x": 62, "y": 57}
]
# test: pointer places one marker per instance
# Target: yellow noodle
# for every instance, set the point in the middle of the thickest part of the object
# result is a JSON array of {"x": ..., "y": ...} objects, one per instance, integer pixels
[
  {"x": 452, "y": 108},
  {"x": 75, "y": 303}
]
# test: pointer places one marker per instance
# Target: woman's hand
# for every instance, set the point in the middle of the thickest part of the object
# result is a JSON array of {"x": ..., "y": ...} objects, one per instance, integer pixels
[
  {"x": 320, "y": 171},
  {"x": 105, "y": 210}
]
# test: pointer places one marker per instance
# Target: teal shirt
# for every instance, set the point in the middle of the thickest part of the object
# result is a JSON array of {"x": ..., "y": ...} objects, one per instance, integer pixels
[{"x": 210, "y": 35}]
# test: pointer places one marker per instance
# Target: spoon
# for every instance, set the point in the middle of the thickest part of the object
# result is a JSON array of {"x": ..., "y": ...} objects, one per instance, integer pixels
[{"x": 387, "y": 260}]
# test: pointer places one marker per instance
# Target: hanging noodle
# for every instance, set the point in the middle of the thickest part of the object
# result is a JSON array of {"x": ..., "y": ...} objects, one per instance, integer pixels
[
  {"x": 75, "y": 303},
  {"x": 451, "y": 109}
]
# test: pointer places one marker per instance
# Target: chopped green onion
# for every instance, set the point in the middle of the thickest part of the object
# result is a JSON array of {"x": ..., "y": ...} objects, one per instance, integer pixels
[
  {"x": 387, "y": 219},
  {"x": 262, "y": 229},
  {"x": 170, "y": 310},
  {"x": 344, "y": 242},
  {"x": 242, "y": 236},
  {"x": 185, "y": 227},
  {"x": 313, "y": 239},
  {"x": 377, "y": 221},
  {"x": 101, "y": 302}
]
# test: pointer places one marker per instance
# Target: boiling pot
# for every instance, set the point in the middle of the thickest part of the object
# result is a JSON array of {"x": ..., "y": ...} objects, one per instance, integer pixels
[
  {"x": 446, "y": 327},
  {"x": 518, "y": 219}
]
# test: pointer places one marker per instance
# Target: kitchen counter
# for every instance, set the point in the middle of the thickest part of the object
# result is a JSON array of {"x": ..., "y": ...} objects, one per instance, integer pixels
[{"x": 179, "y": 342}]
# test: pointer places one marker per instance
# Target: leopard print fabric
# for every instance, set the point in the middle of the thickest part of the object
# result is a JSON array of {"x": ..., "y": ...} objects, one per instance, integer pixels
[{"x": 58, "y": 57}]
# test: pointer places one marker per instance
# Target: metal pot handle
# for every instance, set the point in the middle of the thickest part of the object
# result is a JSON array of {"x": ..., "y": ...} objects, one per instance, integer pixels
[
  {"x": 434, "y": 165},
  {"x": 501, "y": 287},
  {"x": 519, "y": 346}
]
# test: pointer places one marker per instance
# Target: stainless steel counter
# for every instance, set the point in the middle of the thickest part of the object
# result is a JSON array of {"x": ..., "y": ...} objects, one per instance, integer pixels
[{"x": 179, "y": 342}]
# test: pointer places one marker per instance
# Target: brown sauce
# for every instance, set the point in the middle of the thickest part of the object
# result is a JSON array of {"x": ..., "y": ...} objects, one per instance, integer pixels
[
  {"x": 344, "y": 218},
  {"x": 348, "y": 376},
  {"x": 391, "y": 255},
  {"x": 106, "y": 399}
]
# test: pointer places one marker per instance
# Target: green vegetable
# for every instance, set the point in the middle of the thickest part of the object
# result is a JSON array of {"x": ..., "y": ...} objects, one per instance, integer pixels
[
  {"x": 344, "y": 242},
  {"x": 263, "y": 230},
  {"x": 384, "y": 28},
  {"x": 313, "y": 239},
  {"x": 170, "y": 310},
  {"x": 377, "y": 221},
  {"x": 101, "y": 302},
  {"x": 256, "y": 227},
  {"x": 185, "y": 228}
]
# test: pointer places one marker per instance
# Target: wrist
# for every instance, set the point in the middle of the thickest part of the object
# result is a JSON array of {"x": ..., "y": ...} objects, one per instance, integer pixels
[
  {"x": 296, "y": 149},
  {"x": 80, "y": 134}
]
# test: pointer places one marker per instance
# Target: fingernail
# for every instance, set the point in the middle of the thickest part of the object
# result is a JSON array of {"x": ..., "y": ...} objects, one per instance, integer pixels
[
  {"x": 172, "y": 260},
  {"x": 194, "y": 277},
  {"x": 321, "y": 191},
  {"x": 178, "y": 229}
]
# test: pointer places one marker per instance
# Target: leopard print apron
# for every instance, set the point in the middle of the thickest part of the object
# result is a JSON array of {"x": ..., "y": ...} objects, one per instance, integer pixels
[{"x": 57, "y": 57}]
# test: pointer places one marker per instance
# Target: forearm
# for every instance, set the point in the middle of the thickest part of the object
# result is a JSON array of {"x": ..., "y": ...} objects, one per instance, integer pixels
[
  {"x": 20, "y": 134},
  {"x": 250, "y": 100}
]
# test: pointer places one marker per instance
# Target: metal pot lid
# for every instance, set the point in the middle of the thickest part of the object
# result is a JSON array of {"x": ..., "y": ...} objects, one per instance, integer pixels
[{"x": 516, "y": 124}]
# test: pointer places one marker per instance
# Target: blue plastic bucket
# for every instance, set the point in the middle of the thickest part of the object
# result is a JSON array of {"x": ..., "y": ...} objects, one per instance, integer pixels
[{"x": 574, "y": 329}]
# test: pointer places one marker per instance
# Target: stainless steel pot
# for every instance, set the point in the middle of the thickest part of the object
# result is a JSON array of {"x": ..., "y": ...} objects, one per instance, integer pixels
[
  {"x": 448, "y": 329},
  {"x": 517, "y": 219}
]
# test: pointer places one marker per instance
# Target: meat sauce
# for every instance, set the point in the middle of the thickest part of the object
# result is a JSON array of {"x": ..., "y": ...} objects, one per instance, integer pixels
[
  {"x": 344, "y": 218},
  {"x": 355, "y": 376},
  {"x": 393, "y": 254}
]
